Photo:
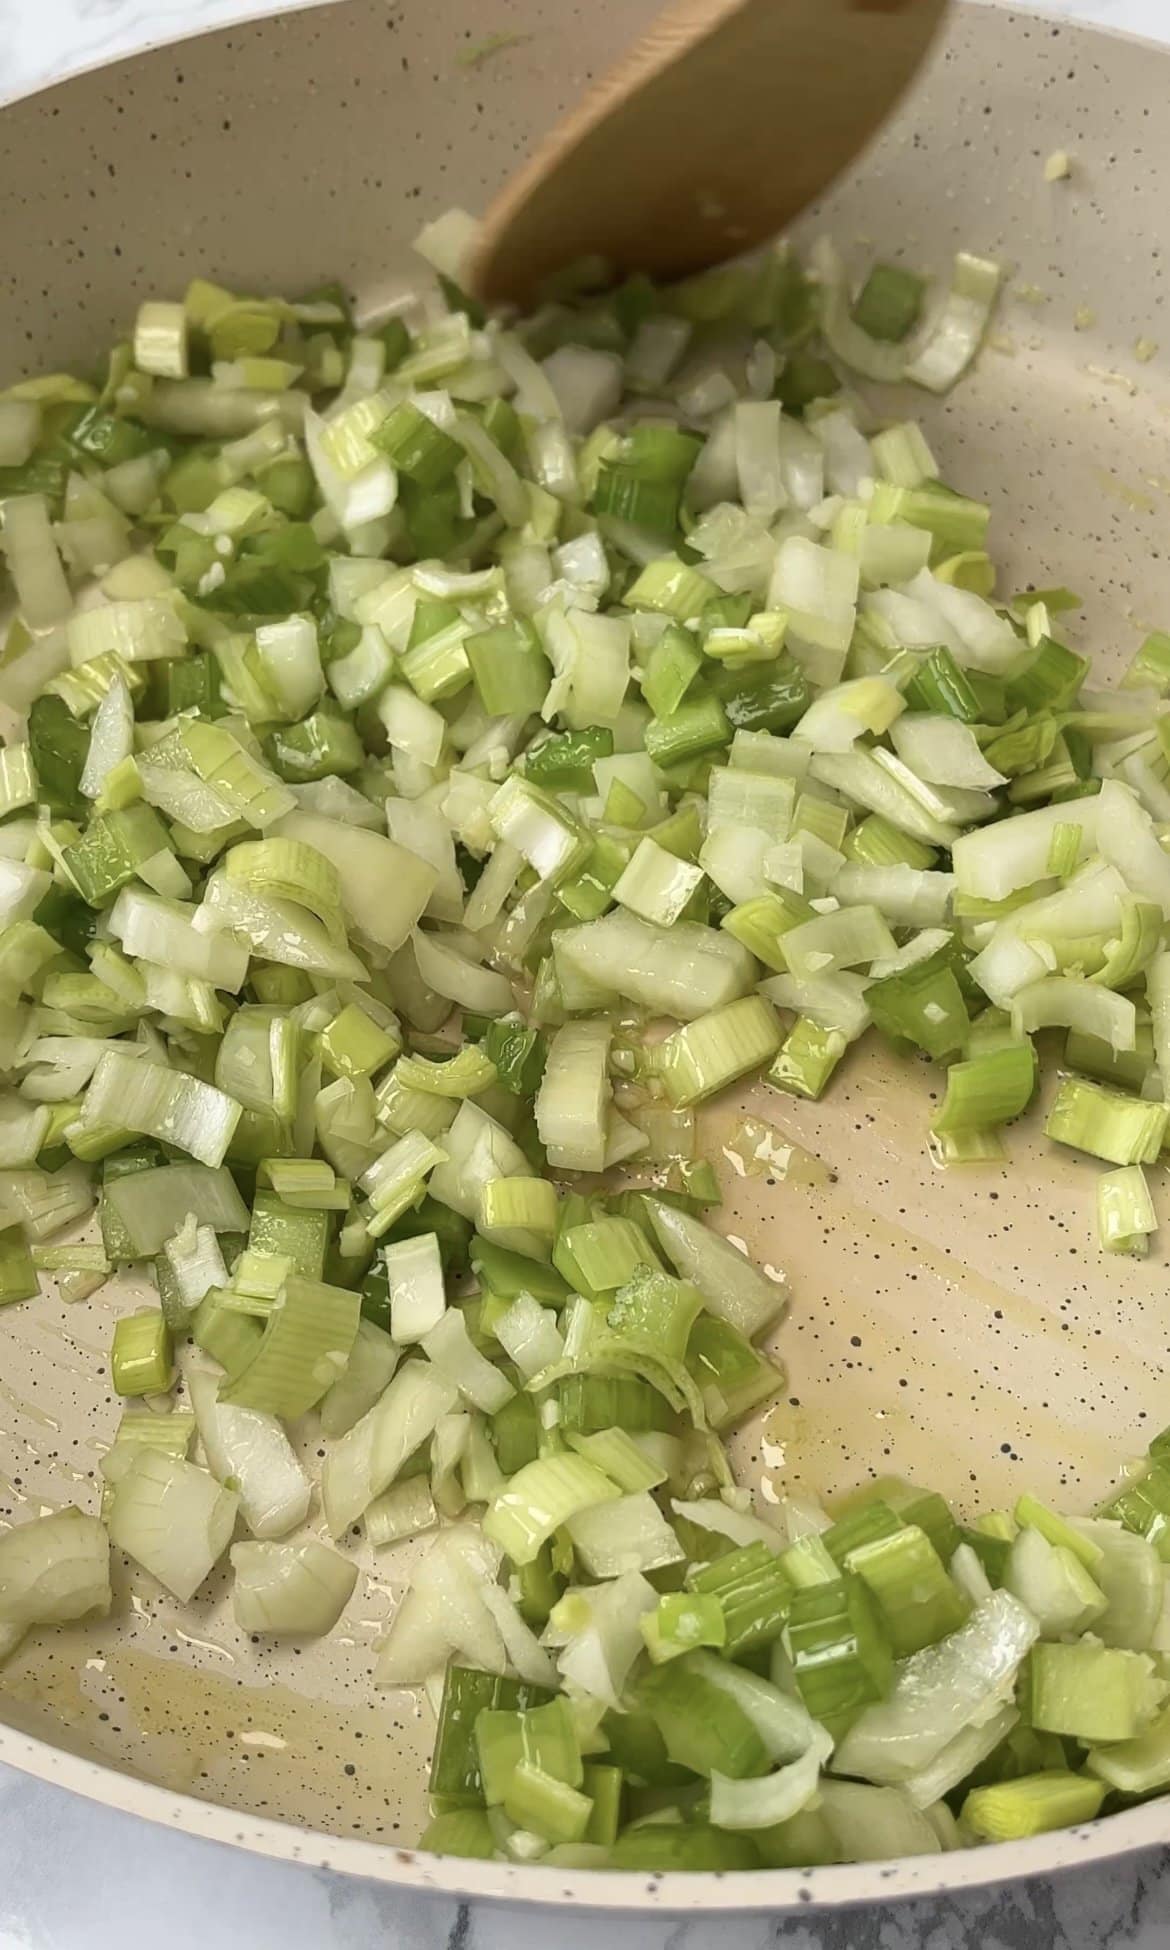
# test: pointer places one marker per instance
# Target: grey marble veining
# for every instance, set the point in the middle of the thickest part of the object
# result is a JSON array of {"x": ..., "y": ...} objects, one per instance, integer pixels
[{"x": 76, "y": 1876}]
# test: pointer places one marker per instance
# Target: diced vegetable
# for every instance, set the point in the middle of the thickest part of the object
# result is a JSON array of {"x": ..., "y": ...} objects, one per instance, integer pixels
[{"x": 449, "y": 754}]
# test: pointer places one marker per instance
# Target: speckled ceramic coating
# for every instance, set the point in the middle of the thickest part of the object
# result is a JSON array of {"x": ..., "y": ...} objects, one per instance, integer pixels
[{"x": 963, "y": 1328}]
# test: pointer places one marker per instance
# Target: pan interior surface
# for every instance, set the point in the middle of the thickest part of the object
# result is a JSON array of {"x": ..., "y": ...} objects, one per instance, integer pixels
[{"x": 963, "y": 1328}]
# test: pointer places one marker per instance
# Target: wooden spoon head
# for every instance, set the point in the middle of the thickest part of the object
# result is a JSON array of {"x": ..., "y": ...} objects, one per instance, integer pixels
[{"x": 711, "y": 134}]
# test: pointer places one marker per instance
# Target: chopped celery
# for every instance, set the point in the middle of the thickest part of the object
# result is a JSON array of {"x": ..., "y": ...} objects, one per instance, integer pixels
[
  {"x": 1122, "y": 1130},
  {"x": 841, "y": 1656},
  {"x": 140, "y": 1361},
  {"x": 754, "y": 1595},
  {"x": 430, "y": 795},
  {"x": 1032, "y": 1805},
  {"x": 714, "y": 1050},
  {"x": 1092, "y": 1692}
]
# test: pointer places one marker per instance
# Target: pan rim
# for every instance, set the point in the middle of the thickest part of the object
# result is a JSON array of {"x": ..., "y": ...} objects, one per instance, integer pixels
[{"x": 677, "y": 1892}]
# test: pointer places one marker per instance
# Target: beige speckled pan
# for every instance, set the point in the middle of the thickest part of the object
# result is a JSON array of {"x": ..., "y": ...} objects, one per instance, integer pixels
[{"x": 960, "y": 1326}]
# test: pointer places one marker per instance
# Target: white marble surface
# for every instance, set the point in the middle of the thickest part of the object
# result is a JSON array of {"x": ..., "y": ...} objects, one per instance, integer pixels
[
  {"x": 41, "y": 39},
  {"x": 75, "y": 1876}
]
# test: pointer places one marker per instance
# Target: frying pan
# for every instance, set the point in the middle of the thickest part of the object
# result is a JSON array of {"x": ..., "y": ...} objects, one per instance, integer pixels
[{"x": 960, "y": 1328}]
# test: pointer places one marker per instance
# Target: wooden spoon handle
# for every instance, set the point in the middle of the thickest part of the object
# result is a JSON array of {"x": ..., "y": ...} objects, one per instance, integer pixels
[{"x": 712, "y": 132}]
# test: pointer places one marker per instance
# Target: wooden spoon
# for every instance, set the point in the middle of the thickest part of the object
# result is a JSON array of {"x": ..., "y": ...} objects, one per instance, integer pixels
[{"x": 723, "y": 122}]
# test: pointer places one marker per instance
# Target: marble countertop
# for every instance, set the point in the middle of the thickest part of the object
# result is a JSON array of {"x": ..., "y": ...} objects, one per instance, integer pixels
[{"x": 77, "y": 1876}]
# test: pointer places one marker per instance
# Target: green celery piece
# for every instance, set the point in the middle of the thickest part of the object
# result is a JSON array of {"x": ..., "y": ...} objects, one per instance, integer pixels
[
  {"x": 69, "y": 920},
  {"x": 519, "y": 1054},
  {"x": 59, "y": 745},
  {"x": 603, "y": 1254},
  {"x": 417, "y": 447},
  {"x": 1151, "y": 665},
  {"x": 804, "y": 377},
  {"x": 683, "y": 1622},
  {"x": 764, "y": 697},
  {"x": 549, "y": 1739},
  {"x": 1143, "y": 1506},
  {"x": 509, "y": 1274},
  {"x": 702, "y": 1727},
  {"x": 992, "y": 1552},
  {"x": 141, "y": 1358},
  {"x": 875, "y": 843},
  {"x": 1095, "y": 1058},
  {"x": 1032, "y": 1805},
  {"x": 516, "y": 1432},
  {"x": 628, "y": 496},
  {"x": 510, "y": 670},
  {"x": 698, "y": 726},
  {"x": 1050, "y": 679},
  {"x": 840, "y": 1653},
  {"x": 640, "y": 1751},
  {"x": 807, "y": 1059},
  {"x": 107, "y": 438},
  {"x": 135, "y": 1157},
  {"x": 806, "y": 1562},
  {"x": 604, "y": 1785},
  {"x": 278, "y": 986},
  {"x": 1121, "y": 1130},
  {"x": 918, "y": 1602},
  {"x": 657, "y": 1847},
  {"x": 308, "y": 1337},
  {"x": 433, "y": 521},
  {"x": 221, "y": 1330},
  {"x": 866, "y": 1523},
  {"x": 499, "y": 1749},
  {"x": 18, "y": 1273},
  {"x": 912, "y": 1505},
  {"x": 564, "y": 762},
  {"x": 43, "y": 473},
  {"x": 657, "y": 452},
  {"x": 455, "y": 1779},
  {"x": 256, "y": 587},
  {"x": 320, "y": 746},
  {"x": 753, "y": 1592},
  {"x": 670, "y": 670},
  {"x": 542, "y": 1805},
  {"x": 463, "y": 1832},
  {"x": 189, "y": 683},
  {"x": 539, "y": 1587},
  {"x": 1091, "y": 1692},
  {"x": 941, "y": 686},
  {"x": 923, "y": 1005},
  {"x": 655, "y": 1311},
  {"x": 588, "y": 893},
  {"x": 112, "y": 848},
  {"x": 889, "y": 303},
  {"x": 283, "y": 1230},
  {"x": 452, "y": 1230},
  {"x": 590, "y": 1403},
  {"x": 289, "y": 484},
  {"x": 1137, "y": 1766},
  {"x": 988, "y": 1089},
  {"x": 733, "y": 1377}
]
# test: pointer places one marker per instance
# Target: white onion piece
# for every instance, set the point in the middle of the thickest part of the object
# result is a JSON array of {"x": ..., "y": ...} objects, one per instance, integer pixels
[
  {"x": 251, "y": 1452},
  {"x": 444, "y": 1613},
  {"x": 300, "y": 1589},
  {"x": 173, "y": 1519},
  {"x": 368, "y": 1373},
  {"x": 52, "y": 1570},
  {"x": 369, "y": 1456}
]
